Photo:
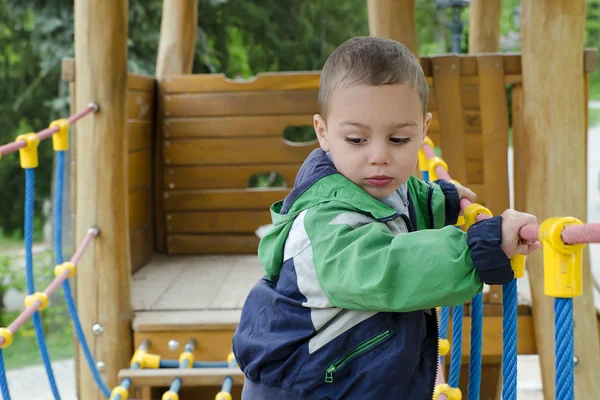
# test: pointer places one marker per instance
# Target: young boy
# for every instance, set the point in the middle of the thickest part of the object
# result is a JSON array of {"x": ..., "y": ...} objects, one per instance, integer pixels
[{"x": 362, "y": 252}]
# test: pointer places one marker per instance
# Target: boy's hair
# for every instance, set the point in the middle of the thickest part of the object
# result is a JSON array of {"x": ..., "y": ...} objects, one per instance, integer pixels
[{"x": 370, "y": 61}]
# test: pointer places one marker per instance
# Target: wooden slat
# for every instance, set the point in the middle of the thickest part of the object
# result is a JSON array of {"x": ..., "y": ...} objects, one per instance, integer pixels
[
  {"x": 446, "y": 75},
  {"x": 235, "y": 199},
  {"x": 241, "y": 103},
  {"x": 263, "y": 81},
  {"x": 140, "y": 208},
  {"x": 141, "y": 82},
  {"x": 217, "y": 222},
  {"x": 212, "y": 244},
  {"x": 140, "y": 134},
  {"x": 471, "y": 121},
  {"x": 469, "y": 93},
  {"x": 473, "y": 146},
  {"x": 140, "y": 169},
  {"x": 190, "y": 377},
  {"x": 494, "y": 117},
  {"x": 233, "y": 151},
  {"x": 245, "y": 126},
  {"x": 140, "y": 105},
  {"x": 520, "y": 144},
  {"x": 224, "y": 176},
  {"x": 184, "y": 320},
  {"x": 141, "y": 245}
]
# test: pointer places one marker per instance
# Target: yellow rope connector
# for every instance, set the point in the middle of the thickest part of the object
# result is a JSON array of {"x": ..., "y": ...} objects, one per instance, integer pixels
[
  {"x": 145, "y": 360},
  {"x": 231, "y": 361},
  {"x": 119, "y": 390},
  {"x": 444, "y": 346},
  {"x": 59, "y": 269},
  {"x": 562, "y": 262},
  {"x": 29, "y": 153},
  {"x": 223, "y": 396},
  {"x": 428, "y": 141},
  {"x": 472, "y": 211},
  {"x": 433, "y": 164},
  {"x": 518, "y": 265},
  {"x": 60, "y": 140},
  {"x": 186, "y": 355},
  {"x": 450, "y": 392},
  {"x": 40, "y": 296},
  {"x": 7, "y": 336},
  {"x": 170, "y": 396}
]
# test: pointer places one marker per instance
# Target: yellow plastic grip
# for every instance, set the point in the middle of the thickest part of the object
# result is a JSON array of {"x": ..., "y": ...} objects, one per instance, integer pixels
[
  {"x": 8, "y": 337},
  {"x": 29, "y": 153},
  {"x": 428, "y": 141},
  {"x": 562, "y": 262},
  {"x": 41, "y": 296},
  {"x": 423, "y": 162},
  {"x": 60, "y": 140},
  {"x": 444, "y": 346},
  {"x": 119, "y": 390},
  {"x": 186, "y": 355},
  {"x": 223, "y": 396},
  {"x": 472, "y": 211},
  {"x": 170, "y": 396},
  {"x": 518, "y": 265},
  {"x": 450, "y": 392},
  {"x": 433, "y": 164},
  {"x": 145, "y": 360},
  {"x": 59, "y": 269}
]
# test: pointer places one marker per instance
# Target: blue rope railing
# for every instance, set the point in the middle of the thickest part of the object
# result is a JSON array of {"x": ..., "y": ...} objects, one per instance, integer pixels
[
  {"x": 3, "y": 381},
  {"x": 473, "y": 388},
  {"x": 509, "y": 338},
  {"x": 563, "y": 348}
]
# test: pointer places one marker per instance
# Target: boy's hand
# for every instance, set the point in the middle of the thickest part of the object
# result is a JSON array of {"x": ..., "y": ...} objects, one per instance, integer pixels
[
  {"x": 512, "y": 244},
  {"x": 466, "y": 193}
]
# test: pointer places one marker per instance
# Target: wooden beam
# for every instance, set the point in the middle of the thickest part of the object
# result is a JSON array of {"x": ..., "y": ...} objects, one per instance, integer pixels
[
  {"x": 484, "y": 26},
  {"x": 554, "y": 174},
  {"x": 394, "y": 19},
  {"x": 189, "y": 377},
  {"x": 103, "y": 278},
  {"x": 175, "y": 57}
]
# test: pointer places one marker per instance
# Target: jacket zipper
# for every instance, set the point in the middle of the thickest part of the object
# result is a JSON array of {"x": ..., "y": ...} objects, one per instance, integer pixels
[
  {"x": 430, "y": 204},
  {"x": 358, "y": 350},
  {"x": 437, "y": 327}
]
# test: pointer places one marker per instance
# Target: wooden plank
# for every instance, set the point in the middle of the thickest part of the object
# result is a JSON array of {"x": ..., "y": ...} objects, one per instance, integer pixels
[
  {"x": 217, "y": 221},
  {"x": 241, "y": 103},
  {"x": 494, "y": 118},
  {"x": 140, "y": 134},
  {"x": 224, "y": 176},
  {"x": 262, "y": 82},
  {"x": 396, "y": 20},
  {"x": 151, "y": 281},
  {"x": 140, "y": 169},
  {"x": 234, "y": 199},
  {"x": 173, "y": 321},
  {"x": 160, "y": 236},
  {"x": 212, "y": 244},
  {"x": 520, "y": 144},
  {"x": 555, "y": 177},
  {"x": 446, "y": 75},
  {"x": 140, "y": 208},
  {"x": 67, "y": 69},
  {"x": 141, "y": 246},
  {"x": 143, "y": 83},
  {"x": 473, "y": 146},
  {"x": 233, "y": 151},
  {"x": 239, "y": 281},
  {"x": 140, "y": 105},
  {"x": 469, "y": 93},
  {"x": 189, "y": 377},
  {"x": 232, "y": 126},
  {"x": 471, "y": 121}
]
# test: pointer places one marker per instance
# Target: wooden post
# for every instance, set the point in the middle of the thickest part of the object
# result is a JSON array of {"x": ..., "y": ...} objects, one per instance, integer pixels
[
  {"x": 484, "y": 26},
  {"x": 394, "y": 19},
  {"x": 104, "y": 273},
  {"x": 554, "y": 176},
  {"x": 175, "y": 56}
]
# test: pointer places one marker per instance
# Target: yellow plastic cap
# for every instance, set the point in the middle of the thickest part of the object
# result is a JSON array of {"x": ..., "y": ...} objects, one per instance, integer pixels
[
  {"x": 433, "y": 164},
  {"x": 563, "y": 263},
  {"x": 444, "y": 346},
  {"x": 428, "y": 141},
  {"x": 39, "y": 296},
  {"x": 29, "y": 153},
  {"x": 186, "y": 355},
  {"x": 472, "y": 211},
  {"x": 450, "y": 392},
  {"x": 170, "y": 396},
  {"x": 59, "y": 269},
  {"x": 119, "y": 390},
  {"x": 7, "y": 336},
  {"x": 518, "y": 265},
  {"x": 423, "y": 162},
  {"x": 60, "y": 140},
  {"x": 223, "y": 396}
]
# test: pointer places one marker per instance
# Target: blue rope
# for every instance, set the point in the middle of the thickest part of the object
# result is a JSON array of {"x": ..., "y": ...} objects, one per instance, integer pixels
[
  {"x": 60, "y": 163},
  {"x": 563, "y": 337},
  {"x": 175, "y": 385},
  {"x": 197, "y": 364},
  {"x": 509, "y": 338},
  {"x": 457, "y": 322},
  {"x": 227, "y": 384},
  {"x": 444, "y": 322},
  {"x": 37, "y": 321},
  {"x": 3, "y": 382},
  {"x": 473, "y": 388}
]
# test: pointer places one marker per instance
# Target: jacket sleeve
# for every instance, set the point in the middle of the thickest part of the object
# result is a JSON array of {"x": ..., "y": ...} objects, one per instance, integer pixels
[
  {"x": 361, "y": 265},
  {"x": 452, "y": 201}
]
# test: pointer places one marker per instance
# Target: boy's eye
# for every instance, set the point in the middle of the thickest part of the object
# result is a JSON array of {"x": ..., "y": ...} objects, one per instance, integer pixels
[
  {"x": 352, "y": 140},
  {"x": 397, "y": 140}
]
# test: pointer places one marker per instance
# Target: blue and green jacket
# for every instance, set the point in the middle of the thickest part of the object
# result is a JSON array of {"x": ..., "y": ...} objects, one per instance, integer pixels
[{"x": 346, "y": 309}]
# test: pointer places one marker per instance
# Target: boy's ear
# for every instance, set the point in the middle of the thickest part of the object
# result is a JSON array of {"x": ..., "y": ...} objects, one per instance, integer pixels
[
  {"x": 426, "y": 123},
  {"x": 321, "y": 131}
]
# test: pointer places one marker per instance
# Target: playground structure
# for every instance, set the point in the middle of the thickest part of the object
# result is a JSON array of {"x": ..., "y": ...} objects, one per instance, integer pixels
[{"x": 174, "y": 265}]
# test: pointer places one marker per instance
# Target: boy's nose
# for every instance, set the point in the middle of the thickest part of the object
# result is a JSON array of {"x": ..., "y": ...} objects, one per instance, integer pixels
[{"x": 380, "y": 155}]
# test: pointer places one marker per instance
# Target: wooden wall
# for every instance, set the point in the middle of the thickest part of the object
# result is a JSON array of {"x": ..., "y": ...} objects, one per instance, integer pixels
[{"x": 140, "y": 128}]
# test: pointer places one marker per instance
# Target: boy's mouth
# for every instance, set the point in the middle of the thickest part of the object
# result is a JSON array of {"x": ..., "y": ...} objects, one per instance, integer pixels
[{"x": 379, "y": 180}]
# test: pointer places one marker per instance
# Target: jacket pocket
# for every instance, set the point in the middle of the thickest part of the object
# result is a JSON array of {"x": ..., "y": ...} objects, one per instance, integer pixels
[{"x": 354, "y": 353}]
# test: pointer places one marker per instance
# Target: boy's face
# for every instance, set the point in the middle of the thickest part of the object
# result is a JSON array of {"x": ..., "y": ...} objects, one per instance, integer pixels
[{"x": 374, "y": 134}]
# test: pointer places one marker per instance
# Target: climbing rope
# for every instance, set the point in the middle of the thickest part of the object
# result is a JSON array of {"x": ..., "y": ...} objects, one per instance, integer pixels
[
  {"x": 509, "y": 338},
  {"x": 473, "y": 388},
  {"x": 3, "y": 381},
  {"x": 457, "y": 324},
  {"x": 563, "y": 336},
  {"x": 444, "y": 322}
]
